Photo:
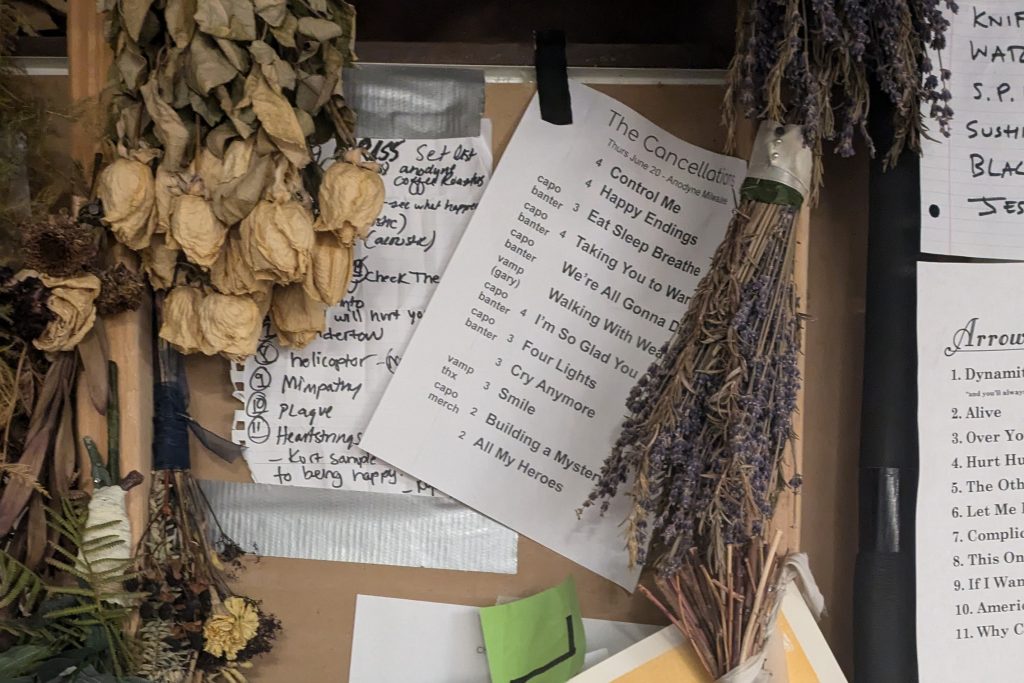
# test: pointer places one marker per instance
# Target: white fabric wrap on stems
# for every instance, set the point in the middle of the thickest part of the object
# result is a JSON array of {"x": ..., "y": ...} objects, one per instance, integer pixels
[
  {"x": 107, "y": 508},
  {"x": 795, "y": 569},
  {"x": 780, "y": 155}
]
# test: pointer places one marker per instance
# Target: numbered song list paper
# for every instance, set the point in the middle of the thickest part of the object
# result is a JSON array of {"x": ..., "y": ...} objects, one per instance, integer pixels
[
  {"x": 972, "y": 184},
  {"x": 573, "y": 272},
  {"x": 970, "y": 508}
]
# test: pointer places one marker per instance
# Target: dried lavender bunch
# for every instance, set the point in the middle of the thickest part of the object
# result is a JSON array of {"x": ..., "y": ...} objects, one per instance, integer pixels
[
  {"x": 702, "y": 448},
  {"x": 810, "y": 63}
]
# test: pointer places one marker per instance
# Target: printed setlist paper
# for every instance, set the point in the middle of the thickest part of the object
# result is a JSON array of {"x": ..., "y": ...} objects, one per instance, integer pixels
[
  {"x": 972, "y": 183},
  {"x": 573, "y": 273},
  {"x": 970, "y": 501},
  {"x": 305, "y": 410}
]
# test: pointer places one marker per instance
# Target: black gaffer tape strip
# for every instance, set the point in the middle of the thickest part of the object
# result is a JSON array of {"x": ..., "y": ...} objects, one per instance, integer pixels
[{"x": 552, "y": 77}]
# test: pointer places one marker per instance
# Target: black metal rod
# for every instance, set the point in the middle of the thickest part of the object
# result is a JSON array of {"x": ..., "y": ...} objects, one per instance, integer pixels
[{"x": 884, "y": 599}]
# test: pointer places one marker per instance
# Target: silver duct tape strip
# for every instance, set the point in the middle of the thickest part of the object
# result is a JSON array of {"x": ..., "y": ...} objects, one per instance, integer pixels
[
  {"x": 415, "y": 102},
  {"x": 356, "y": 526},
  {"x": 780, "y": 155}
]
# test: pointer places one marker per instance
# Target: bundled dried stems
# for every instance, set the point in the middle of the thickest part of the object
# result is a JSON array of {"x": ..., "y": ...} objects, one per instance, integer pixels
[
  {"x": 728, "y": 617},
  {"x": 709, "y": 422},
  {"x": 811, "y": 62}
]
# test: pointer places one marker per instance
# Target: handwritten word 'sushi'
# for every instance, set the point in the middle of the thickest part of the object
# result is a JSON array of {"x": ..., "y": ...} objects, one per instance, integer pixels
[
  {"x": 972, "y": 184},
  {"x": 582, "y": 257},
  {"x": 305, "y": 411},
  {"x": 970, "y": 509}
]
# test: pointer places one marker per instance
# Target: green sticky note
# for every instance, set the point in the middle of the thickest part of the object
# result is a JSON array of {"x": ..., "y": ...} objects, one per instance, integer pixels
[{"x": 538, "y": 639}]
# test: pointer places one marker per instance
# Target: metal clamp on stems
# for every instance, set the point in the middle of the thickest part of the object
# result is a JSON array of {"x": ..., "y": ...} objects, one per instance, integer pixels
[{"x": 780, "y": 156}]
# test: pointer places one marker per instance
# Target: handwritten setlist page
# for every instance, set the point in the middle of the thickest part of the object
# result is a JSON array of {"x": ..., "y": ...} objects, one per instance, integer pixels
[
  {"x": 972, "y": 183},
  {"x": 305, "y": 410},
  {"x": 582, "y": 256},
  {"x": 970, "y": 507}
]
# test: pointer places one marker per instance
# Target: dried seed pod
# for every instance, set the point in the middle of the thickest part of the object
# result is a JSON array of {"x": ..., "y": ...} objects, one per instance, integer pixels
[
  {"x": 350, "y": 193},
  {"x": 180, "y": 314},
  {"x": 297, "y": 317},
  {"x": 128, "y": 193},
  {"x": 230, "y": 274},
  {"x": 120, "y": 290},
  {"x": 59, "y": 246},
  {"x": 230, "y": 325},
  {"x": 277, "y": 238},
  {"x": 72, "y": 303},
  {"x": 197, "y": 230},
  {"x": 159, "y": 261},
  {"x": 330, "y": 269}
]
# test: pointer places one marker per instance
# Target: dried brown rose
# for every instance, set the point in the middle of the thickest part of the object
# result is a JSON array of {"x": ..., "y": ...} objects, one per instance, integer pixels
[
  {"x": 230, "y": 274},
  {"x": 180, "y": 327},
  {"x": 330, "y": 269},
  {"x": 165, "y": 187},
  {"x": 297, "y": 317},
  {"x": 72, "y": 303},
  {"x": 159, "y": 261},
  {"x": 350, "y": 193},
  {"x": 230, "y": 325},
  {"x": 196, "y": 229},
  {"x": 277, "y": 238},
  {"x": 127, "y": 191}
]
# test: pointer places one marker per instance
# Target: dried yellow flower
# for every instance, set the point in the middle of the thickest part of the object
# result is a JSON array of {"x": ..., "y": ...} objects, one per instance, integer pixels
[
  {"x": 230, "y": 325},
  {"x": 277, "y": 238},
  {"x": 72, "y": 301},
  {"x": 197, "y": 230},
  {"x": 297, "y": 317},
  {"x": 230, "y": 274},
  {"x": 230, "y": 628},
  {"x": 127, "y": 191},
  {"x": 180, "y": 326},
  {"x": 350, "y": 193},
  {"x": 330, "y": 269},
  {"x": 159, "y": 262}
]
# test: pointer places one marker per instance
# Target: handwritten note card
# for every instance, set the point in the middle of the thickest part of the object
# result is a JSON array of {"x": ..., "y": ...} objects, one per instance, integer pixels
[
  {"x": 582, "y": 256},
  {"x": 972, "y": 184},
  {"x": 970, "y": 507},
  {"x": 305, "y": 410}
]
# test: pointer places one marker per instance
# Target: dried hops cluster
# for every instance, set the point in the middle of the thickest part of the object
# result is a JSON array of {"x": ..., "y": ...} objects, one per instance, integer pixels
[{"x": 216, "y": 104}]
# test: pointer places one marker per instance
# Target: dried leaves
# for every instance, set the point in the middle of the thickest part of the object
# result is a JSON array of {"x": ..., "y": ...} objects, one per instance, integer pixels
[{"x": 215, "y": 102}]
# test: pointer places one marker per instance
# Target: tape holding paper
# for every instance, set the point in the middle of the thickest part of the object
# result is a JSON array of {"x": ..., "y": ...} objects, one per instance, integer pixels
[
  {"x": 316, "y": 524},
  {"x": 415, "y": 102}
]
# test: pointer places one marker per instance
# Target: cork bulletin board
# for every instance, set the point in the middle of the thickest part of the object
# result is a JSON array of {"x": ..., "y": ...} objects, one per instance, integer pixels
[{"x": 315, "y": 600}]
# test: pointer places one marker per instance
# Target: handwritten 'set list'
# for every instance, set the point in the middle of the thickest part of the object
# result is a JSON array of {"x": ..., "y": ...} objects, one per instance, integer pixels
[
  {"x": 972, "y": 184},
  {"x": 305, "y": 410},
  {"x": 970, "y": 507},
  {"x": 575, "y": 269}
]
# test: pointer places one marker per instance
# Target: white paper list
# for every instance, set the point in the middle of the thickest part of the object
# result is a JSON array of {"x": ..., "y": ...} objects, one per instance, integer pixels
[
  {"x": 582, "y": 256},
  {"x": 970, "y": 507},
  {"x": 305, "y": 410},
  {"x": 972, "y": 184}
]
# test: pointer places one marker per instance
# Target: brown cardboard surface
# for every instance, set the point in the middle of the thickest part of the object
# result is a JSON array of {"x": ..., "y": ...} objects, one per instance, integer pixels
[{"x": 315, "y": 600}]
